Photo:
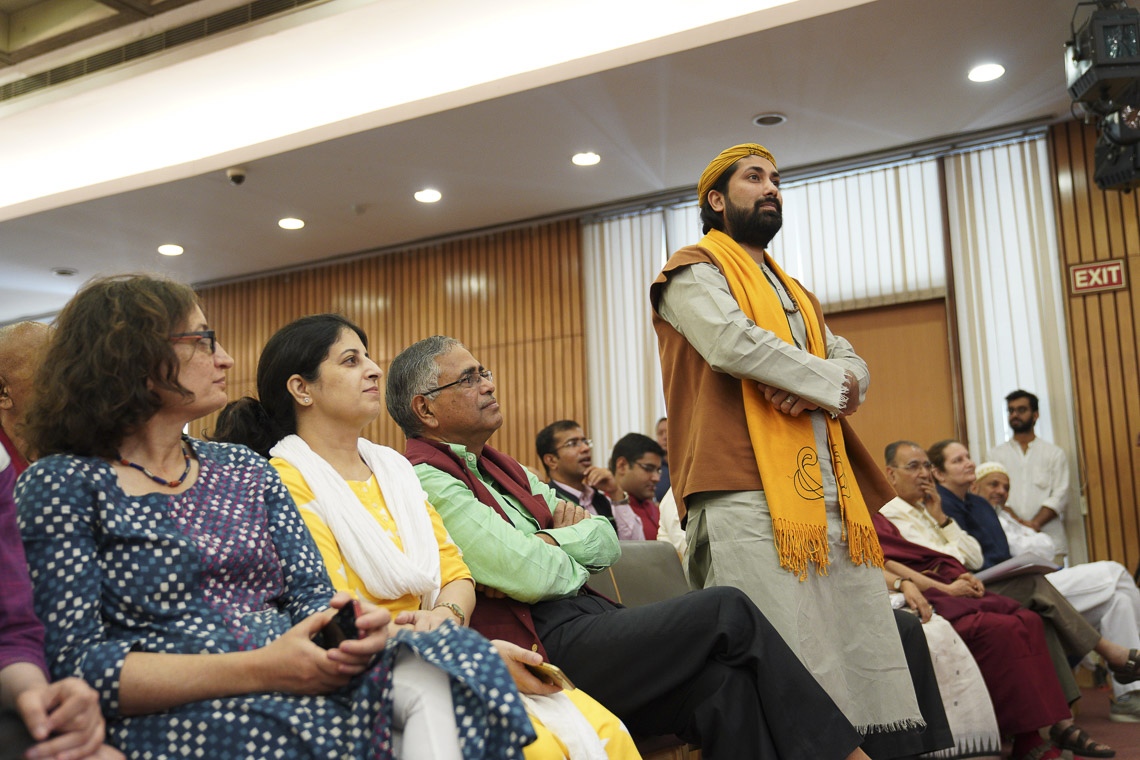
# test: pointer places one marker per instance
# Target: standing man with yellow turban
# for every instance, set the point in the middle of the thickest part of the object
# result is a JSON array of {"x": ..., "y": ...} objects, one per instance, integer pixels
[{"x": 775, "y": 486}]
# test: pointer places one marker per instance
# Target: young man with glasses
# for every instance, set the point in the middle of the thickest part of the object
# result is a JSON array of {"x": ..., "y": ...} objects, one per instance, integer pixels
[
  {"x": 636, "y": 462},
  {"x": 568, "y": 456},
  {"x": 917, "y": 512}
]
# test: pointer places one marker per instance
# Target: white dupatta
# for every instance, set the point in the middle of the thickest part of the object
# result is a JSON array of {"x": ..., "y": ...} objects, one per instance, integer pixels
[{"x": 387, "y": 572}]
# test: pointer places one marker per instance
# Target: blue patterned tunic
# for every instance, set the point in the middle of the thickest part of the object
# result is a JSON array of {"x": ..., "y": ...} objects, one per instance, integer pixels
[{"x": 225, "y": 566}]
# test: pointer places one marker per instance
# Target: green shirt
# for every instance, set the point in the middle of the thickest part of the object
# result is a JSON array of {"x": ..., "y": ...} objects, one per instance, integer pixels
[{"x": 510, "y": 556}]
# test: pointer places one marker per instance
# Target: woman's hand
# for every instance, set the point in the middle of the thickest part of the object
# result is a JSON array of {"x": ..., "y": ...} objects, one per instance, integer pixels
[
  {"x": 425, "y": 620},
  {"x": 65, "y": 720},
  {"x": 354, "y": 656},
  {"x": 517, "y": 659}
]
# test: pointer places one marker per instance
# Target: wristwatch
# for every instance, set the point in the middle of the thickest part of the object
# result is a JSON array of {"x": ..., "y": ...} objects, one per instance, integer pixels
[{"x": 899, "y": 582}]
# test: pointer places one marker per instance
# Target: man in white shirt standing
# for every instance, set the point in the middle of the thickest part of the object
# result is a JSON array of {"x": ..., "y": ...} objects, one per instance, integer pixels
[{"x": 1038, "y": 472}]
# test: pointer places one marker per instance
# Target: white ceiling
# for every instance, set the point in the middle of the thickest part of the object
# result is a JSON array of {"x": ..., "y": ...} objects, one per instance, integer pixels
[{"x": 864, "y": 79}]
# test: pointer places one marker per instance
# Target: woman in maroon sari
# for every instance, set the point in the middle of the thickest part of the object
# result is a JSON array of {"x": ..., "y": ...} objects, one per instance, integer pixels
[{"x": 1007, "y": 641}]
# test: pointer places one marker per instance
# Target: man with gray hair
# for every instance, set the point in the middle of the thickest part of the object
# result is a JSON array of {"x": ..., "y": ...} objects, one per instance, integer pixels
[{"x": 706, "y": 666}]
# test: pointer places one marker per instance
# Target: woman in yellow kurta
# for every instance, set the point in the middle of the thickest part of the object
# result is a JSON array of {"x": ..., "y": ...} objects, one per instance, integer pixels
[{"x": 379, "y": 537}]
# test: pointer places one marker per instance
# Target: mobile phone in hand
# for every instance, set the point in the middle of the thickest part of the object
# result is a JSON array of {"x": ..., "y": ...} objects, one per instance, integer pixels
[
  {"x": 340, "y": 628},
  {"x": 551, "y": 674}
]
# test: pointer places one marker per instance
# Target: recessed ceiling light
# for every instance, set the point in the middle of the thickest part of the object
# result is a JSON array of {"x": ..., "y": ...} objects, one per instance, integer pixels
[
  {"x": 428, "y": 195},
  {"x": 769, "y": 119},
  {"x": 986, "y": 72},
  {"x": 586, "y": 159},
  {"x": 290, "y": 223},
  {"x": 170, "y": 249},
  {"x": 64, "y": 271}
]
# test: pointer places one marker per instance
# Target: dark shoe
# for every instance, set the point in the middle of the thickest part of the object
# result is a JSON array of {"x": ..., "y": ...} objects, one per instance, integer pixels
[
  {"x": 1129, "y": 671},
  {"x": 1077, "y": 740}
]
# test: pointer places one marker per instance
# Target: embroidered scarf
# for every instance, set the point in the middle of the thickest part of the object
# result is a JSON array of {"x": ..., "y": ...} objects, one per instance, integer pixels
[
  {"x": 785, "y": 446},
  {"x": 387, "y": 572}
]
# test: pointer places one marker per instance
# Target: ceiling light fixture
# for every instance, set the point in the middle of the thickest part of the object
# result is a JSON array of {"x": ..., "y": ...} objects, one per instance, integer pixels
[
  {"x": 428, "y": 195},
  {"x": 986, "y": 72},
  {"x": 170, "y": 249},
  {"x": 586, "y": 159},
  {"x": 290, "y": 223},
  {"x": 64, "y": 271},
  {"x": 772, "y": 119}
]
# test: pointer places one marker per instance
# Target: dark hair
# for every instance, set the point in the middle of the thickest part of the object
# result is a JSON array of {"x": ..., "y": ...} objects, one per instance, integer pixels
[
  {"x": 1033, "y": 402},
  {"x": 893, "y": 449},
  {"x": 937, "y": 453},
  {"x": 412, "y": 372},
  {"x": 714, "y": 220},
  {"x": 298, "y": 348},
  {"x": 634, "y": 446},
  {"x": 544, "y": 441},
  {"x": 108, "y": 356}
]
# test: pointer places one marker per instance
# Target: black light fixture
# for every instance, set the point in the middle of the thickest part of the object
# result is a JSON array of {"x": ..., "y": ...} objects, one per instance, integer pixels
[{"x": 1102, "y": 70}]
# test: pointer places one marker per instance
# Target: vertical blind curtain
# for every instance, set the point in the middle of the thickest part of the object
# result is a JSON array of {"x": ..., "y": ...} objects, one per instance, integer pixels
[
  {"x": 620, "y": 258},
  {"x": 1007, "y": 279}
]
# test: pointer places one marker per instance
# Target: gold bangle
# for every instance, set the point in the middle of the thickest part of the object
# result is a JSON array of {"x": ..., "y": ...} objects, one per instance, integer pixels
[{"x": 455, "y": 610}]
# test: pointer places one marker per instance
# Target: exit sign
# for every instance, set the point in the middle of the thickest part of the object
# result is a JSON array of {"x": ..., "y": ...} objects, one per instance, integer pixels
[{"x": 1093, "y": 278}]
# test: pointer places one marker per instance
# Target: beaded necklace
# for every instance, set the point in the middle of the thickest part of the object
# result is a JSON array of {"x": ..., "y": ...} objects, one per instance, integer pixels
[{"x": 157, "y": 479}]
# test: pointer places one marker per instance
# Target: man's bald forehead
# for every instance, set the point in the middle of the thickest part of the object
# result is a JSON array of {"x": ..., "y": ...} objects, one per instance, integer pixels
[{"x": 22, "y": 343}]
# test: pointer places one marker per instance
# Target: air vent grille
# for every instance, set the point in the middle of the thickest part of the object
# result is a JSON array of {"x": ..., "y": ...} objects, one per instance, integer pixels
[{"x": 180, "y": 35}]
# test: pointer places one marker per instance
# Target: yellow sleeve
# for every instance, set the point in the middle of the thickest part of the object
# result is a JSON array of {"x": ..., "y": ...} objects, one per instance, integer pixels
[
  {"x": 451, "y": 564},
  {"x": 322, "y": 535}
]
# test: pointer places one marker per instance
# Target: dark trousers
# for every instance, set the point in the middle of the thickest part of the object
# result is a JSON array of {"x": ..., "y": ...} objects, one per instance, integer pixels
[
  {"x": 14, "y": 737},
  {"x": 707, "y": 666}
]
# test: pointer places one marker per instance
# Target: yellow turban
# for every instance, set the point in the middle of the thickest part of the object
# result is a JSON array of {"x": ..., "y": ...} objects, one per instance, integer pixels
[{"x": 727, "y": 158}]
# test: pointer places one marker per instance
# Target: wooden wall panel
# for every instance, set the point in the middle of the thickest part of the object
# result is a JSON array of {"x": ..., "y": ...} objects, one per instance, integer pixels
[
  {"x": 907, "y": 349},
  {"x": 514, "y": 298},
  {"x": 1093, "y": 225}
]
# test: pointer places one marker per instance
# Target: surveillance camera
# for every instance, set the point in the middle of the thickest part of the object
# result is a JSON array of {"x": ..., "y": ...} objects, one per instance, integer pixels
[{"x": 236, "y": 175}]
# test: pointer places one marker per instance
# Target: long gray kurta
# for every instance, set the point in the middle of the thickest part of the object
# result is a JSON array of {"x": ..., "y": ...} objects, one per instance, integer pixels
[{"x": 840, "y": 625}]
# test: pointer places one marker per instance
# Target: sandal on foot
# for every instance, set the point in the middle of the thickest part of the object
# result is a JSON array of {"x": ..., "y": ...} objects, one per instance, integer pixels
[
  {"x": 1130, "y": 670},
  {"x": 1077, "y": 740}
]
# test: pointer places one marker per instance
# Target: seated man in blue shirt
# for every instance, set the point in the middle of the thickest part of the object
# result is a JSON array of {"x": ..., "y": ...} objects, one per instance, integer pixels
[{"x": 706, "y": 666}]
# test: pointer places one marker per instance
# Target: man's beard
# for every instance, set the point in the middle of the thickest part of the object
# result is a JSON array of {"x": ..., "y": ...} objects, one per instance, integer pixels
[
  {"x": 753, "y": 226},
  {"x": 1025, "y": 426}
]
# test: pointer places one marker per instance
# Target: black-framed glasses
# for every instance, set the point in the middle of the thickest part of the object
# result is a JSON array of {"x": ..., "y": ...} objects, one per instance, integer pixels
[
  {"x": 575, "y": 443},
  {"x": 470, "y": 380},
  {"x": 652, "y": 469},
  {"x": 206, "y": 340}
]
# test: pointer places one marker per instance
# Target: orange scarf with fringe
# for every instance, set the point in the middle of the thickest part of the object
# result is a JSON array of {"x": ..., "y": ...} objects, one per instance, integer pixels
[{"x": 785, "y": 446}]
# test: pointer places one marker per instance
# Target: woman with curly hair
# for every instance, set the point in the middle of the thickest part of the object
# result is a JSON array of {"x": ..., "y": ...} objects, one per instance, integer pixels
[{"x": 177, "y": 577}]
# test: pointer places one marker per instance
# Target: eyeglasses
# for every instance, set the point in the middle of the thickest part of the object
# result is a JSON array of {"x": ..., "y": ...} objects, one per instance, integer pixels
[
  {"x": 575, "y": 443},
  {"x": 470, "y": 380},
  {"x": 204, "y": 339},
  {"x": 652, "y": 469},
  {"x": 913, "y": 467}
]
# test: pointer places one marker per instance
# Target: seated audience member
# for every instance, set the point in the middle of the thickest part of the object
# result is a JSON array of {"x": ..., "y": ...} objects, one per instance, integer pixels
[
  {"x": 917, "y": 510},
  {"x": 21, "y": 346},
  {"x": 1067, "y": 633},
  {"x": 51, "y": 717},
  {"x": 1103, "y": 592},
  {"x": 568, "y": 456},
  {"x": 178, "y": 578},
  {"x": 381, "y": 542},
  {"x": 662, "y": 434},
  {"x": 706, "y": 666},
  {"x": 1007, "y": 642},
  {"x": 636, "y": 464}
]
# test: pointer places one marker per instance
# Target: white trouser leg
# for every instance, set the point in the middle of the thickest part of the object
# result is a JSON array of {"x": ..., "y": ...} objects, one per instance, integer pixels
[{"x": 423, "y": 714}]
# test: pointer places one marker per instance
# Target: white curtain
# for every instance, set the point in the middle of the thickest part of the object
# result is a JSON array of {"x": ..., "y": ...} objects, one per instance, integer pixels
[
  {"x": 1011, "y": 318},
  {"x": 620, "y": 258}
]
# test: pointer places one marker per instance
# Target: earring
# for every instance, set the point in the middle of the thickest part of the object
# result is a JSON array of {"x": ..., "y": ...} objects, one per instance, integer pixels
[{"x": 306, "y": 401}]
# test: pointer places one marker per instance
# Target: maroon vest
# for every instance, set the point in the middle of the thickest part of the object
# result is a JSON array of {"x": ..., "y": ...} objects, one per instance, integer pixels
[{"x": 501, "y": 618}]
